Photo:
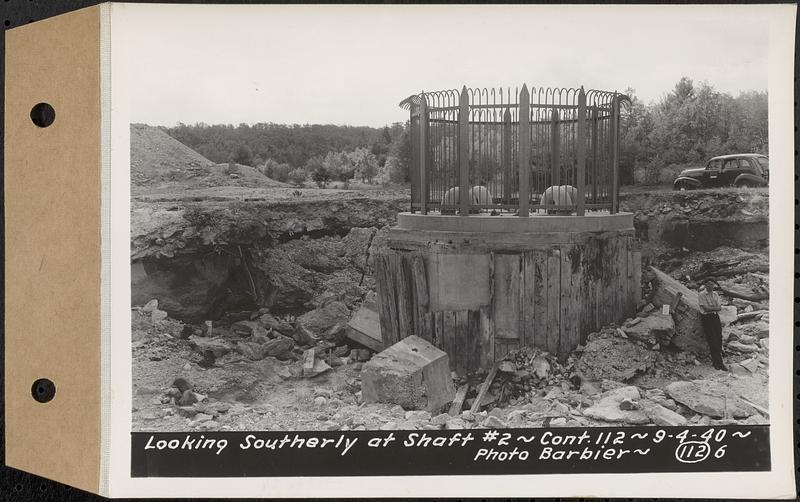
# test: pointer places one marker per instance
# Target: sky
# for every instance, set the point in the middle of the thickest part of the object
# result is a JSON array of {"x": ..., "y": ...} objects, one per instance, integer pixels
[{"x": 354, "y": 64}]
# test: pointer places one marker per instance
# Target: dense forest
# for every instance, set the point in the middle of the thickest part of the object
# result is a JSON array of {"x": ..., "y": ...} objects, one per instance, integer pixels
[{"x": 690, "y": 124}]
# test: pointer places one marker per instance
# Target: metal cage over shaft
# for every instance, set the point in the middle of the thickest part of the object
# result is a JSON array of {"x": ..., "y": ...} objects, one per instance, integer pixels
[{"x": 496, "y": 150}]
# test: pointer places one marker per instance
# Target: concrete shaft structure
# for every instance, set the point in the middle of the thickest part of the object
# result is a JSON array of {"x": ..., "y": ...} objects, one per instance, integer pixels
[{"x": 480, "y": 286}]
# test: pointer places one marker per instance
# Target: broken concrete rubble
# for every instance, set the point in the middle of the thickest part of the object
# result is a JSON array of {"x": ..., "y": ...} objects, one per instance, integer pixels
[
  {"x": 657, "y": 328},
  {"x": 610, "y": 407},
  {"x": 606, "y": 356},
  {"x": 708, "y": 398},
  {"x": 321, "y": 320},
  {"x": 411, "y": 373}
]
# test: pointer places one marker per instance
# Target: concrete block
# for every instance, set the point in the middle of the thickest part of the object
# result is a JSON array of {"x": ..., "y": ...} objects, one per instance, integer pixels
[
  {"x": 411, "y": 373},
  {"x": 365, "y": 328}
]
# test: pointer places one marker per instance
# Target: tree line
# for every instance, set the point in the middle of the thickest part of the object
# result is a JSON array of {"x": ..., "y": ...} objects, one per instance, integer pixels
[
  {"x": 294, "y": 153},
  {"x": 690, "y": 124}
]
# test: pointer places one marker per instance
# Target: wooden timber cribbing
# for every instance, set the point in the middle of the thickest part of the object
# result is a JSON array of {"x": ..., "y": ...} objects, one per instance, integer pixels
[{"x": 546, "y": 297}]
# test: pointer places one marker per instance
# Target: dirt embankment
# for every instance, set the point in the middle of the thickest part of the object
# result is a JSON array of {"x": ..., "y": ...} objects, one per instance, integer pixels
[
  {"x": 699, "y": 220},
  {"x": 204, "y": 259}
]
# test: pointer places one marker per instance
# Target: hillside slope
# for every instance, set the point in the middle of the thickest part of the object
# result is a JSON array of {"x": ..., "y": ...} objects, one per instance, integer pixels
[{"x": 158, "y": 160}]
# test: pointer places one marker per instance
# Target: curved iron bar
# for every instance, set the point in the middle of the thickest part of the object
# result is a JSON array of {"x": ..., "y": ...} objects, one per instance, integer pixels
[{"x": 494, "y": 143}]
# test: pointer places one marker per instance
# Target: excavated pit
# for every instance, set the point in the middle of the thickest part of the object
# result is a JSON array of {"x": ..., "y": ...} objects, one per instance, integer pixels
[{"x": 202, "y": 260}]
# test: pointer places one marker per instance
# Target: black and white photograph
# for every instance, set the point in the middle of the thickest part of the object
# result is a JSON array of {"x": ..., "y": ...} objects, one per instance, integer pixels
[
  {"x": 443, "y": 221},
  {"x": 349, "y": 255}
]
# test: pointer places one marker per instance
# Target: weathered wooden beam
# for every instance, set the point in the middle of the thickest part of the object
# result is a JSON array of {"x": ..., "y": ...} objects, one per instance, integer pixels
[
  {"x": 458, "y": 402},
  {"x": 685, "y": 310},
  {"x": 476, "y": 405}
]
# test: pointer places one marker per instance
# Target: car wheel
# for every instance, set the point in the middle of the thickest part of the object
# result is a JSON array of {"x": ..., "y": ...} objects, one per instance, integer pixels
[
  {"x": 682, "y": 186},
  {"x": 744, "y": 184}
]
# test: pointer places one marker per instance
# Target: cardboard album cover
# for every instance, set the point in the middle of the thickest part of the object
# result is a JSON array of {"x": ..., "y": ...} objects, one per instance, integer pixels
[{"x": 401, "y": 250}]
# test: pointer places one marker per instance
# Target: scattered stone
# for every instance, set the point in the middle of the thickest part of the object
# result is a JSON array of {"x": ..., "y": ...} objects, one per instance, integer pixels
[
  {"x": 150, "y": 306},
  {"x": 320, "y": 401},
  {"x": 365, "y": 328},
  {"x": 201, "y": 417},
  {"x": 157, "y": 315},
  {"x": 418, "y": 415},
  {"x": 321, "y": 320},
  {"x": 187, "y": 411},
  {"x": 412, "y": 373},
  {"x": 440, "y": 420},
  {"x": 738, "y": 369},
  {"x": 507, "y": 367},
  {"x": 660, "y": 415},
  {"x": 182, "y": 385},
  {"x": 742, "y": 347},
  {"x": 608, "y": 407},
  {"x": 216, "y": 346},
  {"x": 653, "y": 329},
  {"x": 268, "y": 321},
  {"x": 540, "y": 366},
  {"x": 614, "y": 358},
  {"x": 750, "y": 365},
  {"x": 558, "y": 422},
  {"x": 455, "y": 423},
  {"x": 493, "y": 422},
  {"x": 244, "y": 328},
  {"x": 708, "y": 398},
  {"x": 727, "y": 315},
  {"x": 317, "y": 369}
]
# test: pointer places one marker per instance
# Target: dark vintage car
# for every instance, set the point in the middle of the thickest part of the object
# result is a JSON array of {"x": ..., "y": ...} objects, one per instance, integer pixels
[{"x": 739, "y": 170}]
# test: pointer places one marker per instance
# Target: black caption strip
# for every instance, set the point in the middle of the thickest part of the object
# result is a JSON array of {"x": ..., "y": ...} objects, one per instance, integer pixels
[{"x": 469, "y": 452}]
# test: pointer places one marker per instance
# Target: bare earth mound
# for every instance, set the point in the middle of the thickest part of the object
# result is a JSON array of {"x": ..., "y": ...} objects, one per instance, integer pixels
[{"x": 160, "y": 162}]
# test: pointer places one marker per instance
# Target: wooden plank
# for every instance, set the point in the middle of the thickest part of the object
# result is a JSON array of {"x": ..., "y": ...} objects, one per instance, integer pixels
[
  {"x": 566, "y": 314},
  {"x": 438, "y": 330},
  {"x": 476, "y": 405},
  {"x": 622, "y": 291},
  {"x": 506, "y": 296},
  {"x": 540, "y": 300},
  {"x": 405, "y": 321},
  {"x": 473, "y": 341},
  {"x": 389, "y": 328},
  {"x": 486, "y": 345},
  {"x": 308, "y": 361},
  {"x": 365, "y": 328},
  {"x": 553, "y": 300},
  {"x": 458, "y": 402},
  {"x": 449, "y": 336},
  {"x": 577, "y": 297},
  {"x": 419, "y": 281},
  {"x": 629, "y": 286},
  {"x": 528, "y": 298},
  {"x": 637, "y": 278},
  {"x": 462, "y": 344},
  {"x": 427, "y": 327}
]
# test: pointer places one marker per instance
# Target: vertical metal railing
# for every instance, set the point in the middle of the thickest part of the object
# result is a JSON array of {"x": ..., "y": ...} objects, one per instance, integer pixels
[{"x": 476, "y": 150}]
